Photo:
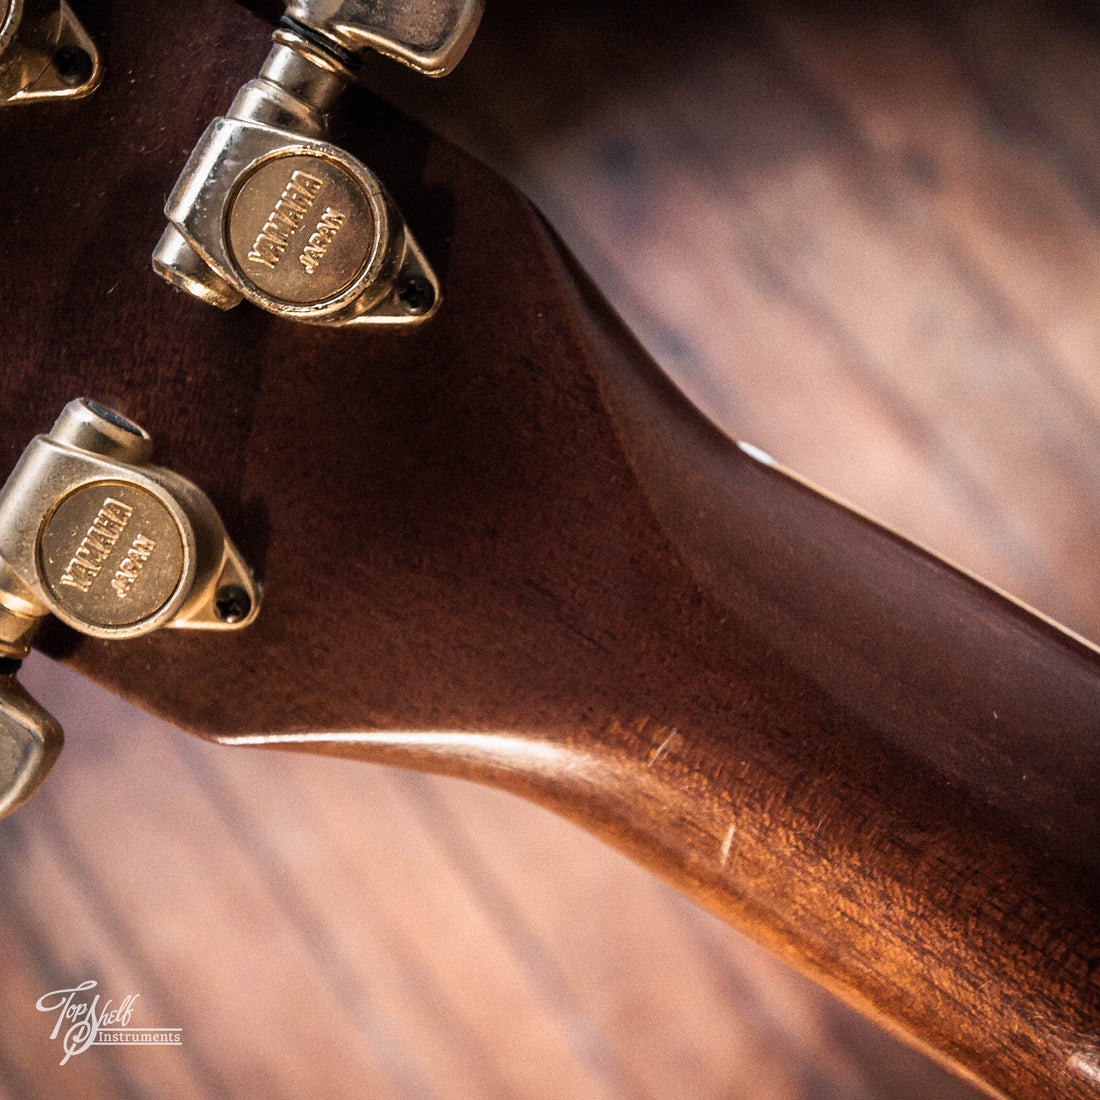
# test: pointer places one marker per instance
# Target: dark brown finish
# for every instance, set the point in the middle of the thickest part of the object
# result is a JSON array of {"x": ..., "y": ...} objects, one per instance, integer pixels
[{"x": 881, "y": 769}]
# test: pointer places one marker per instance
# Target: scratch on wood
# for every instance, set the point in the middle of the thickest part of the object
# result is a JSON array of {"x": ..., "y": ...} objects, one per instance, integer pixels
[
  {"x": 1086, "y": 1062},
  {"x": 669, "y": 744},
  {"x": 727, "y": 844}
]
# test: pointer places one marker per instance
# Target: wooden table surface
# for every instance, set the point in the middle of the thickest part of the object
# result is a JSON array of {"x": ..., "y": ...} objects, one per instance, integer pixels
[{"x": 868, "y": 244}]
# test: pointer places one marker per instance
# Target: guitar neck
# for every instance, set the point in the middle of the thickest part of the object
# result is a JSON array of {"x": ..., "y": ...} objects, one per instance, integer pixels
[
  {"x": 506, "y": 548},
  {"x": 545, "y": 571}
]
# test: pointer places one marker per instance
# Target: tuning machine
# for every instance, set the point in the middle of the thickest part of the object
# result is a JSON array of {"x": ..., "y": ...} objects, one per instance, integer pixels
[
  {"x": 269, "y": 211},
  {"x": 44, "y": 53},
  {"x": 115, "y": 547}
]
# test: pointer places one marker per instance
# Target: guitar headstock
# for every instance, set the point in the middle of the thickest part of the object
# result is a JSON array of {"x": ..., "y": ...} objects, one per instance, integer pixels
[
  {"x": 400, "y": 457},
  {"x": 500, "y": 545},
  {"x": 198, "y": 383}
]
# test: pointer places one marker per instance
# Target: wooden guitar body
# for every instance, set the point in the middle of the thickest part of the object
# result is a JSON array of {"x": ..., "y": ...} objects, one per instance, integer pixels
[{"x": 505, "y": 547}]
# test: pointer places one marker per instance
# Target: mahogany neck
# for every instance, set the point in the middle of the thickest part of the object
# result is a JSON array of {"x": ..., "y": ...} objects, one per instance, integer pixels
[{"x": 504, "y": 547}]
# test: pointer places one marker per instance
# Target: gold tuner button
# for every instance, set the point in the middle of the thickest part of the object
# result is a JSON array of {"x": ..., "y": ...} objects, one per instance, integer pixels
[{"x": 93, "y": 533}]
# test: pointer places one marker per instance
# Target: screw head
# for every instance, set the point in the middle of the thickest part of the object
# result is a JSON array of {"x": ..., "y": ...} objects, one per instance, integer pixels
[
  {"x": 417, "y": 296},
  {"x": 232, "y": 604},
  {"x": 73, "y": 65}
]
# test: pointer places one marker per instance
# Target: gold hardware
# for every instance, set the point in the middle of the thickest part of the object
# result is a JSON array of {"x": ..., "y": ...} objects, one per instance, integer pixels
[
  {"x": 44, "y": 53},
  {"x": 113, "y": 546},
  {"x": 266, "y": 209},
  {"x": 102, "y": 513},
  {"x": 271, "y": 221},
  {"x": 425, "y": 35},
  {"x": 30, "y": 740}
]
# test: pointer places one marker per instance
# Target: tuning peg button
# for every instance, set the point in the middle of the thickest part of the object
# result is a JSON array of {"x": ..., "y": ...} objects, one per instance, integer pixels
[
  {"x": 30, "y": 739},
  {"x": 426, "y": 35}
]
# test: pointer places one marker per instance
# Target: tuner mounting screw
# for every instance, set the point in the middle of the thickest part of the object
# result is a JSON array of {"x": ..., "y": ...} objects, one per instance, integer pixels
[
  {"x": 232, "y": 604},
  {"x": 417, "y": 296},
  {"x": 74, "y": 66}
]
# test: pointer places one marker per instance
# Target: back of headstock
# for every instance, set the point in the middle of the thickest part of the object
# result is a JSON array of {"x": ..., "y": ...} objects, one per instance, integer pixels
[
  {"x": 371, "y": 433},
  {"x": 502, "y": 546}
]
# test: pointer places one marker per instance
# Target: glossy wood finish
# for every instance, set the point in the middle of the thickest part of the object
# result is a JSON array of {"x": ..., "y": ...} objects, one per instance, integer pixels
[{"x": 819, "y": 732}]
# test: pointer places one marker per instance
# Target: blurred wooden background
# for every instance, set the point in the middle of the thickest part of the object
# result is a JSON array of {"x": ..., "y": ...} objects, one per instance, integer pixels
[{"x": 869, "y": 244}]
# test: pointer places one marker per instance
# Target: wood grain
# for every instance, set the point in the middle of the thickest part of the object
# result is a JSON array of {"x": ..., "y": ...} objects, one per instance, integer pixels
[{"x": 624, "y": 1071}]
